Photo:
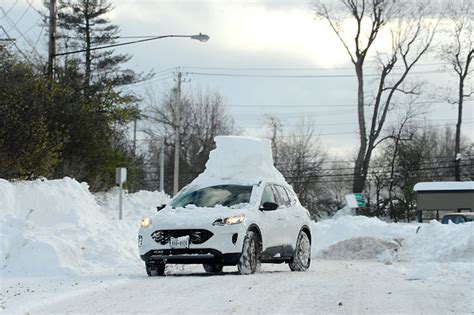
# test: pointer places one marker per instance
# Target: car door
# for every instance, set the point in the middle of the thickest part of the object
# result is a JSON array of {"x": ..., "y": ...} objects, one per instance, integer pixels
[
  {"x": 289, "y": 225},
  {"x": 270, "y": 220},
  {"x": 296, "y": 214}
]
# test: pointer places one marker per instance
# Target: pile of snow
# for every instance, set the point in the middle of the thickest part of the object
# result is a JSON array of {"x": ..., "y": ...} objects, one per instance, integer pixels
[
  {"x": 440, "y": 243},
  {"x": 359, "y": 237},
  {"x": 244, "y": 160},
  {"x": 331, "y": 231},
  {"x": 57, "y": 227},
  {"x": 134, "y": 205},
  {"x": 360, "y": 248}
]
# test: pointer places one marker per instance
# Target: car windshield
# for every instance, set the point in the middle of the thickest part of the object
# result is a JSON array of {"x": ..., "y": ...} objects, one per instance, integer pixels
[{"x": 225, "y": 195}]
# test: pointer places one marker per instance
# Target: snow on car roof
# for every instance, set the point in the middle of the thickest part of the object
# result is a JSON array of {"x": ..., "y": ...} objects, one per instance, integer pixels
[
  {"x": 243, "y": 160},
  {"x": 434, "y": 186}
]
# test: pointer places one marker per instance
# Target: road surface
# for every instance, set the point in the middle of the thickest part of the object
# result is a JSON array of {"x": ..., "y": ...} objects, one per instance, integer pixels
[{"x": 356, "y": 287}]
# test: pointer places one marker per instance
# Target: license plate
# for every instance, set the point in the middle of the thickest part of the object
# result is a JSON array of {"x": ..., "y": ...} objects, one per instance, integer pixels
[{"x": 179, "y": 242}]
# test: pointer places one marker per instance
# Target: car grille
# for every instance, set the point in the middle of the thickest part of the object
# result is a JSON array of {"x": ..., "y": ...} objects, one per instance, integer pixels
[{"x": 195, "y": 236}]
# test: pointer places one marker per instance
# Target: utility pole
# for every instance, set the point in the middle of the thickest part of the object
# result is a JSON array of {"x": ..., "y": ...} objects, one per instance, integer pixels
[
  {"x": 177, "y": 140},
  {"x": 135, "y": 132},
  {"x": 52, "y": 38},
  {"x": 162, "y": 165}
]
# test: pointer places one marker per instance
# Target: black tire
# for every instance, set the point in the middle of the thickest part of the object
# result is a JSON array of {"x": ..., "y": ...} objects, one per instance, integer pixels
[
  {"x": 302, "y": 257},
  {"x": 249, "y": 259},
  {"x": 213, "y": 268},
  {"x": 154, "y": 270}
]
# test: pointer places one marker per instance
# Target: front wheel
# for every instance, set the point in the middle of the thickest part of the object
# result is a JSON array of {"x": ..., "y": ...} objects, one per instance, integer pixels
[
  {"x": 213, "y": 268},
  {"x": 154, "y": 270},
  {"x": 302, "y": 256},
  {"x": 249, "y": 258}
]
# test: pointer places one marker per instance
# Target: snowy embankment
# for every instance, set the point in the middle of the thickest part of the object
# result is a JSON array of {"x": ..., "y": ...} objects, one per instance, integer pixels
[
  {"x": 359, "y": 237},
  {"x": 59, "y": 227}
]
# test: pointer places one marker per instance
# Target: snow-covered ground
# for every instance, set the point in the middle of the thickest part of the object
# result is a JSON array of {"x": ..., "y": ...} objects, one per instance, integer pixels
[
  {"x": 62, "y": 249},
  {"x": 327, "y": 287}
]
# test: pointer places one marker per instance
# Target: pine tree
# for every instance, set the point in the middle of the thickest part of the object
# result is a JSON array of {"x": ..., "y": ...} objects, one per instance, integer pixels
[{"x": 83, "y": 26}]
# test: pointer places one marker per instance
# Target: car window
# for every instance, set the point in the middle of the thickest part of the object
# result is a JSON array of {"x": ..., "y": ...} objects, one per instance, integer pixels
[
  {"x": 268, "y": 195},
  {"x": 282, "y": 195},
  {"x": 291, "y": 196},
  {"x": 225, "y": 195}
]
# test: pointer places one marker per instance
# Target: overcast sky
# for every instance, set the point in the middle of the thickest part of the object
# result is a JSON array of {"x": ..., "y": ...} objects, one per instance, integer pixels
[{"x": 267, "y": 37}]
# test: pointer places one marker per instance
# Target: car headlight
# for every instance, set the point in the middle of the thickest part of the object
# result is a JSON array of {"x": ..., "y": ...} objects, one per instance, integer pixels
[
  {"x": 146, "y": 222},
  {"x": 236, "y": 219}
]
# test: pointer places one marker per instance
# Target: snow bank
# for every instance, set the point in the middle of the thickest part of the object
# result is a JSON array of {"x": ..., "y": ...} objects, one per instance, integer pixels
[
  {"x": 360, "y": 248},
  {"x": 243, "y": 160},
  {"x": 358, "y": 237},
  {"x": 135, "y": 205},
  {"x": 441, "y": 243},
  {"x": 56, "y": 227},
  {"x": 332, "y": 231}
]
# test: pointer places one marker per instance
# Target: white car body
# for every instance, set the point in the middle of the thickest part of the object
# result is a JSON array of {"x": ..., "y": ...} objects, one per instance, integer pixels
[{"x": 278, "y": 229}]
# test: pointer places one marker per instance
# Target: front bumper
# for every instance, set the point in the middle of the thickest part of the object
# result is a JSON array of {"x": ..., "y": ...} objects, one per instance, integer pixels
[
  {"x": 223, "y": 247},
  {"x": 190, "y": 256}
]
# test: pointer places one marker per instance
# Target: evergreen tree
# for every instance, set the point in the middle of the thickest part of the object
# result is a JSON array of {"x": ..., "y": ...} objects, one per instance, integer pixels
[
  {"x": 31, "y": 135},
  {"x": 97, "y": 141}
]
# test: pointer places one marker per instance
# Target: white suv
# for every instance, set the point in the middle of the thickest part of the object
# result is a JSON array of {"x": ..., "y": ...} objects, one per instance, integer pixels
[{"x": 228, "y": 224}]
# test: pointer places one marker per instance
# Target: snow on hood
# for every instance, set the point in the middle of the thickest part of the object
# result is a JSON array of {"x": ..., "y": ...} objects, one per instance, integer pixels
[
  {"x": 239, "y": 160},
  {"x": 192, "y": 216}
]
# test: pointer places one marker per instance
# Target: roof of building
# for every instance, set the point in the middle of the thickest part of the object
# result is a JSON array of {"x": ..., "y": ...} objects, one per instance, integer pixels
[{"x": 440, "y": 186}]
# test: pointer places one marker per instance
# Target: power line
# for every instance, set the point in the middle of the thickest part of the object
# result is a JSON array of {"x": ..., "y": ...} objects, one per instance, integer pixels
[
  {"x": 20, "y": 18},
  {"x": 316, "y": 124},
  {"x": 14, "y": 26},
  {"x": 30, "y": 3},
  {"x": 299, "y": 76},
  {"x": 281, "y": 165},
  {"x": 9, "y": 9},
  {"x": 369, "y": 173},
  {"x": 295, "y": 68},
  {"x": 353, "y": 132},
  {"x": 16, "y": 46},
  {"x": 329, "y": 105}
]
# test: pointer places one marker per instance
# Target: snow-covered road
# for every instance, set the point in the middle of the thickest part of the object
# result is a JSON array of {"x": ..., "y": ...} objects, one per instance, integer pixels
[{"x": 328, "y": 287}]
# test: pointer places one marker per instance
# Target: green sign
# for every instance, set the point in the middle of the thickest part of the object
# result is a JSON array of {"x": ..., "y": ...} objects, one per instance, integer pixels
[{"x": 360, "y": 200}]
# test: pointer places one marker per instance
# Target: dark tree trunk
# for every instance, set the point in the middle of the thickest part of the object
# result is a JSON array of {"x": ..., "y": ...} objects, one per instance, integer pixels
[
  {"x": 359, "y": 174},
  {"x": 457, "y": 145}
]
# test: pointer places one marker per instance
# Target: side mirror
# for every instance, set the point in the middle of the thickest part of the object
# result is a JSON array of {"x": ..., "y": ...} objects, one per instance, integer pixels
[
  {"x": 160, "y": 207},
  {"x": 269, "y": 206}
]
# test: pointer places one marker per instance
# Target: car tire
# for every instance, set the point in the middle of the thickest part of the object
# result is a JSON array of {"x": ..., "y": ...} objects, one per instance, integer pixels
[
  {"x": 249, "y": 259},
  {"x": 154, "y": 270},
  {"x": 213, "y": 268},
  {"x": 302, "y": 257}
]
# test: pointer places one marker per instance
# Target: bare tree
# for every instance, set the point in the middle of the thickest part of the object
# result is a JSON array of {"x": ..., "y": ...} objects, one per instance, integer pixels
[
  {"x": 458, "y": 52},
  {"x": 203, "y": 115},
  {"x": 300, "y": 159},
  {"x": 411, "y": 35},
  {"x": 275, "y": 126}
]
